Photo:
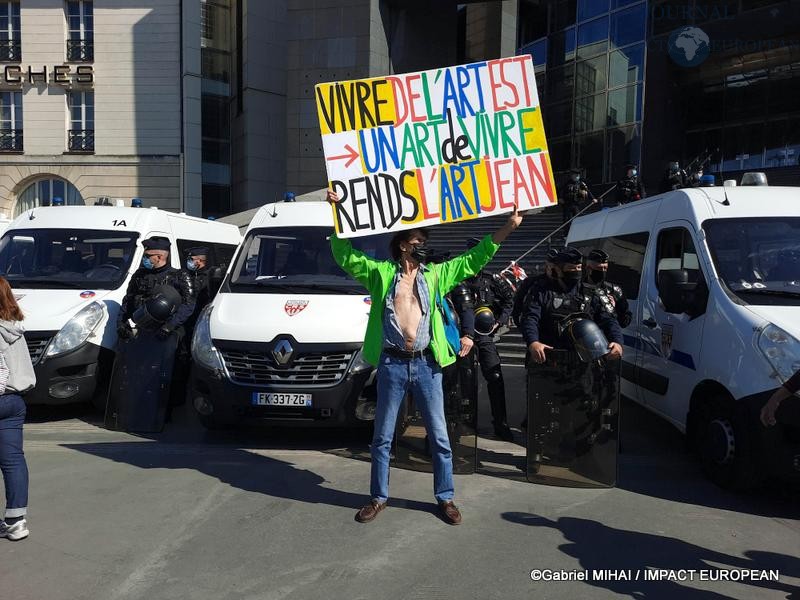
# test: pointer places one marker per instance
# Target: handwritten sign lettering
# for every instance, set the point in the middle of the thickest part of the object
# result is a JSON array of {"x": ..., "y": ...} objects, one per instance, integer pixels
[{"x": 434, "y": 147}]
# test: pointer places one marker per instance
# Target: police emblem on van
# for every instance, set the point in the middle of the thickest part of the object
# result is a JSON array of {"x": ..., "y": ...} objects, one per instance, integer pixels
[{"x": 292, "y": 307}]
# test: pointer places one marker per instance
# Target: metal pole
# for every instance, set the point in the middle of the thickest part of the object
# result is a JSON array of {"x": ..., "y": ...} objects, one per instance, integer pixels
[{"x": 564, "y": 224}]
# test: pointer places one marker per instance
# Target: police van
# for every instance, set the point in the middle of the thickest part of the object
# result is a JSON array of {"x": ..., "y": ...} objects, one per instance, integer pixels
[
  {"x": 69, "y": 267},
  {"x": 282, "y": 340},
  {"x": 713, "y": 279}
]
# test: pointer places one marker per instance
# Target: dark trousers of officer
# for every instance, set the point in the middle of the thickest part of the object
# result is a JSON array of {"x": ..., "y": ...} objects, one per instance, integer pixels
[
  {"x": 568, "y": 211},
  {"x": 489, "y": 359}
]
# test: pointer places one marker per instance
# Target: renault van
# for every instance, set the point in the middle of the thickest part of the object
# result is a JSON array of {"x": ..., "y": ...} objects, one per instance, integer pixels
[
  {"x": 69, "y": 267},
  {"x": 713, "y": 279},
  {"x": 282, "y": 340}
]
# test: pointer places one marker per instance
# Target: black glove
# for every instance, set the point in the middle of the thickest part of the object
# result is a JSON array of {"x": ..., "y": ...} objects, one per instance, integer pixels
[
  {"x": 164, "y": 332},
  {"x": 124, "y": 331}
]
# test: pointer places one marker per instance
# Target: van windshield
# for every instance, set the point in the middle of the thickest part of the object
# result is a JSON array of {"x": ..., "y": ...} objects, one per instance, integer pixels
[
  {"x": 758, "y": 258},
  {"x": 298, "y": 259},
  {"x": 66, "y": 258}
]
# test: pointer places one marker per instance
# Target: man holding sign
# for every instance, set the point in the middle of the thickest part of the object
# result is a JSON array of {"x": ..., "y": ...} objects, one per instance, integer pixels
[{"x": 406, "y": 341}]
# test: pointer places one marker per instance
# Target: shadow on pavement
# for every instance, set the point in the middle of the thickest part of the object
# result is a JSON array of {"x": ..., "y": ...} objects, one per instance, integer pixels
[
  {"x": 240, "y": 469},
  {"x": 599, "y": 547}
]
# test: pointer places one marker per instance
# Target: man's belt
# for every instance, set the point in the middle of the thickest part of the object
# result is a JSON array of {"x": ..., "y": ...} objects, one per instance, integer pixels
[{"x": 407, "y": 354}]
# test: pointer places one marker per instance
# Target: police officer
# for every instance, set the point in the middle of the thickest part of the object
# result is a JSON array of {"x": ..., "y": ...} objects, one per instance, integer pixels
[
  {"x": 572, "y": 195},
  {"x": 489, "y": 291},
  {"x": 199, "y": 271},
  {"x": 612, "y": 298},
  {"x": 674, "y": 178},
  {"x": 520, "y": 298},
  {"x": 549, "y": 305},
  {"x": 155, "y": 272},
  {"x": 630, "y": 189}
]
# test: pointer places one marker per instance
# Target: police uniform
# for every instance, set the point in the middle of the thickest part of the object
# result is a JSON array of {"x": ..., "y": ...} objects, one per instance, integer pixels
[
  {"x": 201, "y": 284},
  {"x": 571, "y": 196},
  {"x": 630, "y": 188},
  {"x": 528, "y": 284},
  {"x": 144, "y": 283},
  {"x": 612, "y": 298}
]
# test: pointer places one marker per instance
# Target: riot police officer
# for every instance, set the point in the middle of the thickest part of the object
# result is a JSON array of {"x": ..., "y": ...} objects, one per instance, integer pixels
[
  {"x": 199, "y": 272},
  {"x": 520, "y": 298},
  {"x": 630, "y": 189},
  {"x": 674, "y": 178},
  {"x": 612, "y": 298},
  {"x": 154, "y": 273},
  {"x": 549, "y": 305},
  {"x": 490, "y": 293},
  {"x": 572, "y": 195}
]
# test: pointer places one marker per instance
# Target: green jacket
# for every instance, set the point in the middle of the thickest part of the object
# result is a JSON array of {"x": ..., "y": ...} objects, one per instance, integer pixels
[{"x": 377, "y": 276}]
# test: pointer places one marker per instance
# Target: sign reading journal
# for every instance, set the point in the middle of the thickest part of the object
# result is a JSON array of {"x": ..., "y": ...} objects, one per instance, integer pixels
[{"x": 435, "y": 147}]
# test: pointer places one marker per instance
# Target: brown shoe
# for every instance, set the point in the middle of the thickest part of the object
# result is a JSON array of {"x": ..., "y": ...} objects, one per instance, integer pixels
[
  {"x": 370, "y": 511},
  {"x": 450, "y": 512}
]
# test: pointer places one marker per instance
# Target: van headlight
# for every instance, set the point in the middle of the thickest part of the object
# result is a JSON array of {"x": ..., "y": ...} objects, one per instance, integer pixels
[
  {"x": 781, "y": 349},
  {"x": 203, "y": 351},
  {"x": 359, "y": 365},
  {"x": 77, "y": 329}
]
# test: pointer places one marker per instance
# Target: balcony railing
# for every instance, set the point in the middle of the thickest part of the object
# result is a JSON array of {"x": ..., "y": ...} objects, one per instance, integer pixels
[
  {"x": 80, "y": 140},
  {"x": 80, "y": 50},
  {"x": 10, "y": 51},
  {"x": 11, "y": 140}
]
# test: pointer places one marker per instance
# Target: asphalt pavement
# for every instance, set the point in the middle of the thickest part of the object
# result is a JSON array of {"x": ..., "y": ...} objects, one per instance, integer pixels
[{"x": 261, "y": 513}]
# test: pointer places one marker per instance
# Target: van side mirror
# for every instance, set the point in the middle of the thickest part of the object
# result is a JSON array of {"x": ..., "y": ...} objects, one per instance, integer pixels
[{"x": 675, "y": 290}]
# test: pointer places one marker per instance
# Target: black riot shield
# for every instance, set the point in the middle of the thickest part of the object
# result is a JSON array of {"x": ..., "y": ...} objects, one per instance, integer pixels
[
  {"x": 573, "y": 421},
  {"x": 138, "y": 394},
  {"x": 460, "y": 383}
]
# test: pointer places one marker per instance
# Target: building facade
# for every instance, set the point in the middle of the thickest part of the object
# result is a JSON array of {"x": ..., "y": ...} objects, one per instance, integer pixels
[
  {"x": 648, "y": 82},
  {"x": 90, "y": 102}
]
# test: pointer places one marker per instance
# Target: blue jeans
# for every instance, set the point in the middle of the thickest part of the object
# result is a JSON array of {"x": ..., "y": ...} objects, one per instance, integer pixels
[
  {"x": 423, "y": 377},
  {"x": 12, "y": 459}
]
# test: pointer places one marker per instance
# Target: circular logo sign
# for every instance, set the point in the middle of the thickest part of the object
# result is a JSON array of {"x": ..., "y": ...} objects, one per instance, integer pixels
[
  {"x": 689, "y": 46},
  {"x": 367, "y": 300},
  {"x": 87, "y": 294}
]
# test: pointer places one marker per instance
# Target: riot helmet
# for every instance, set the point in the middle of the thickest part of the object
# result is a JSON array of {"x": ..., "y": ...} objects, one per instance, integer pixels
[
  {"x": 484, "y": 320},
  {"x": 587, "y": 339},
  {"x": 158, "y": 308}
]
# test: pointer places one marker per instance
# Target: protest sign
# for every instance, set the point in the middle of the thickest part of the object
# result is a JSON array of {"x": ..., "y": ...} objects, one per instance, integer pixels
[{"x": 433, "y": 147}]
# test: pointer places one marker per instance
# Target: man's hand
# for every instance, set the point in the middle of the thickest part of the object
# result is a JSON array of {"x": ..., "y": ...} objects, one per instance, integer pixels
[
  {"x": 466, "y": 346},
  {"x": 164, "y": 332},
  {"x": 615, "y": 351},
  {"x": 537, "y": 351},
  {"x": 124, "y": 331},
  {"x": 514, "y": 221},
  {"x": 332, "y": 197}
]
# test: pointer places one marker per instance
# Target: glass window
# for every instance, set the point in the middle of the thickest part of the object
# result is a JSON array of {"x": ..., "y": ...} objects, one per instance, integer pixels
[
  {"x": 80, "y": 137},
  {"x": 216, "y": 200},
  {"x": 10, "y": 48},
  {"x": 560, "y": 152},
  {"x": 628, "y": 26},
  {"x": 784, "y": 89},
  {"x": 43, "y": 191},
  {"x": 562, "y": 14},
  {"x": 623, "y": 147},
  {"x": 714, "y": 10},
  {"x": 593, "y": 38},
  {"x": 531, "y": 20},
  {"x": 621, "y": 3},
  {"x": 561, "y": 47},
  {"x": 625, "y": 259},
  {"x": 588, "y": 154},
  {"x": 625, "y": 105},
  {"x": 560, "y": 83},
  {"x": 743, "y": 147},
  {"x": 80, "y": 20},
  {"x": 668, "y": 15},
  {"x": 298, "y": 260},
  {"x": 590, "y": 76},
  {"x": 676, "y": 250},
  {"x": 590, "y": 113},
  {"x": 591, "y": 8},
  {"x": 10, "y": 111},
  {"x": 67, "y": 258},
  {"x": 745, "y": 94},
  {"x": 540, "y": 86},
  {"x": 782, "y": 142},
  {"x": 538, "y": 52},
  {"x": 558, "y": 118},
  {"x": 626, "y": 66}
]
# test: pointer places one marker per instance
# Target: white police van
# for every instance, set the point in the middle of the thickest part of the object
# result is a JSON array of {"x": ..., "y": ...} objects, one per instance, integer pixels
[
  {"x": 282, "y": 340},
  {"x": 69, "y": 267},
  {"x": 713, "y": 278}
]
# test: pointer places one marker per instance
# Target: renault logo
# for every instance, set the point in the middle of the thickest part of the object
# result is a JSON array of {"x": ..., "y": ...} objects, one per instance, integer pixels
[{"x": 282, "y": 352}]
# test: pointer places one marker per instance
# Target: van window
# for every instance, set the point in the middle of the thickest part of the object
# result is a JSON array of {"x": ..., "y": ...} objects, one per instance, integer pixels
[
  {"x": 676, "y": 250},
  {"x": 757, "y": 258},
  {"x": 625, "y": 259},
  {"x": 66, "y": 258},
  {"x": 298, "y": 259},
  {"x": 219, "y": 255}
]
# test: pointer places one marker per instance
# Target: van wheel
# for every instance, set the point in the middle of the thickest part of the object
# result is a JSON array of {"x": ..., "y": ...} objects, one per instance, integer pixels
[{"x": 725, "y": 444}]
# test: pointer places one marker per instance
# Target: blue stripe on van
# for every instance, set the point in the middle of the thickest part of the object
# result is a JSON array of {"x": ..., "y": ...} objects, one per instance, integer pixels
[
  {"x": 676, "y": 356},
  {"x": 683, "y": 359}
]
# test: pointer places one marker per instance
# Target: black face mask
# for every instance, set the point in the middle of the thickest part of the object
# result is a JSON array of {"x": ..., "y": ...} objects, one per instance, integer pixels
[
  {"x": 570, "y": 278},
  {"x": 421, "y": 252},
  {"x": 596, "y": 276}
]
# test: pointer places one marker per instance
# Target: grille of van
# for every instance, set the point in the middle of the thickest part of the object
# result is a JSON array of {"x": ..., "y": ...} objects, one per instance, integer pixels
[
  {"x": 36, "y": 346},
  {"x": 252, "y": 367}
]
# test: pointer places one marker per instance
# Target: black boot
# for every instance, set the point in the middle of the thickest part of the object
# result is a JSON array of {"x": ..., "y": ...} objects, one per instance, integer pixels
[{"x": 496, "y": 388}]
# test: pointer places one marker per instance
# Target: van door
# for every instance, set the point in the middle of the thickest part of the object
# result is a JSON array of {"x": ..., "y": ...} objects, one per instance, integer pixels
[{"x": 671, "y": 326}]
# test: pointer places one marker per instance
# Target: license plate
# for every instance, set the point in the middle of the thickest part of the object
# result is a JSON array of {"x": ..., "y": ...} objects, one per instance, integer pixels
[{"x": 281, "y": 399}]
